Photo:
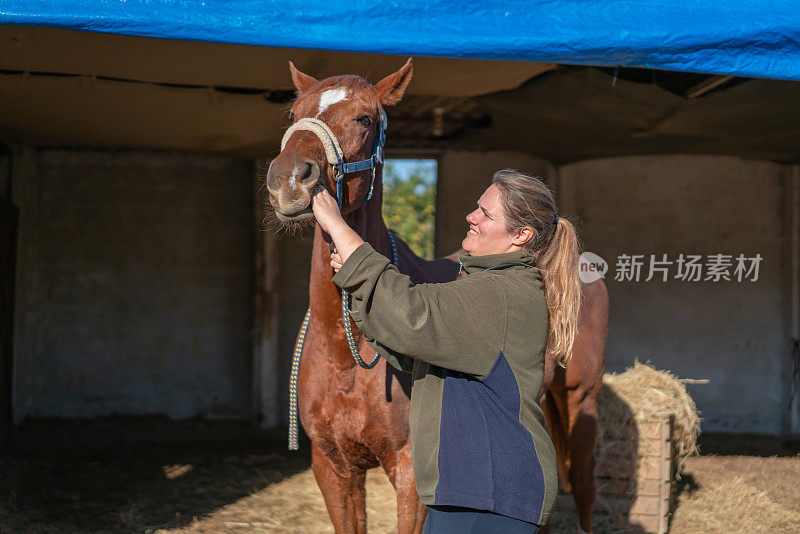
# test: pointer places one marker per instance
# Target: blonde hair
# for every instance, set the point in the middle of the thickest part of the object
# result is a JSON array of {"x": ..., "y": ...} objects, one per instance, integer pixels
[{"x": 528, "y": 202}]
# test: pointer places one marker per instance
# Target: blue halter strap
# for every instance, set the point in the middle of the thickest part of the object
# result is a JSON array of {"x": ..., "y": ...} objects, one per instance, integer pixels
[{"x": 342, "y": 169}]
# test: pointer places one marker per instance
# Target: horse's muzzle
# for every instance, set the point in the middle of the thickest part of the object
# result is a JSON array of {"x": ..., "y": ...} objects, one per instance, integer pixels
[{"x": 291, "y": 188}]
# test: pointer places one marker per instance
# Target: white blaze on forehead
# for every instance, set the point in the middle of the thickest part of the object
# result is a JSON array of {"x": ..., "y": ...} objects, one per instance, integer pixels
[{"x": 330, "y": 97}]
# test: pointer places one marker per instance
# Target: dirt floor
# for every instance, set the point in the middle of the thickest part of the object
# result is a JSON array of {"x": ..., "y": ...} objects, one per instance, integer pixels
[{"x": 153, "y": 475}]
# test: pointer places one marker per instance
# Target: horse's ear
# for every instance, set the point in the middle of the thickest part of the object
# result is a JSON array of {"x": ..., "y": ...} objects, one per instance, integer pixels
[
  {"x": 301, "y": 81},
  {"x": 390, "y": 89}
]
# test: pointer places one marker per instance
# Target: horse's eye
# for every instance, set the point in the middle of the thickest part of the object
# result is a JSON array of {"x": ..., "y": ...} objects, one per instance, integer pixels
[
  {"x": 291, "y": 116},
  {"x": 364, "y": 120}
]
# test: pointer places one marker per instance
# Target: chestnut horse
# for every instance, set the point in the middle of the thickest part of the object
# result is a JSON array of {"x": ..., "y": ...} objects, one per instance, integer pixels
[
  {"x": 357, "y": 418},
  {"x": 570, "y": 405}
]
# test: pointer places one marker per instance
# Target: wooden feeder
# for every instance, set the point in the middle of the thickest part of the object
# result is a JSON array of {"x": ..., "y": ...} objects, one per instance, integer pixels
[{"x": 635, "y": 479}]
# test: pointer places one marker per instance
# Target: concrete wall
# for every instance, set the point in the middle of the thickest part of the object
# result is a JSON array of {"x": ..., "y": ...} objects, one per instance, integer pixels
[
  {"x": 463, "y": 177},
  {"x": 733, "y": 333},
  {"x": 134, "y": 284},
  {"x": 5, "y": 173}
]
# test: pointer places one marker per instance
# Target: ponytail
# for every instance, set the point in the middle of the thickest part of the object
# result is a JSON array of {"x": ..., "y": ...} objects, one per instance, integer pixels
[{"x": 558, "y": 263}]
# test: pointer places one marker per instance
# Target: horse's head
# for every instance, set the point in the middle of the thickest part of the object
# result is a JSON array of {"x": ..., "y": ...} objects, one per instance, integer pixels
[{"x": 350, "y": 108}]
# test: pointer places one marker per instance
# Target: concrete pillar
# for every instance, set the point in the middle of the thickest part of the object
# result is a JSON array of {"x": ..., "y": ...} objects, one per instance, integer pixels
[{"x": 792, "y": 361}]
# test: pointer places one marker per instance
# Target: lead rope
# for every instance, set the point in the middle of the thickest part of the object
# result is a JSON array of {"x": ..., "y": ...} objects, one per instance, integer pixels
[
  {"x": 348, "y": 331},
  {"x": 294, "y": 374}
]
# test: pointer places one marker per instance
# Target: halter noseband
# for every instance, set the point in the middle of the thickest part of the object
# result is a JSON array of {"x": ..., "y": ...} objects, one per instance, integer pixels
[{"x": 335, "y": 155}]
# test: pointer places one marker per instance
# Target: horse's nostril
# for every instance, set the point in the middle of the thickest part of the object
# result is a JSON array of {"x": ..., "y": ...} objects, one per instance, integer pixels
[
  {"x": 272, "y": 183},
  {"x": 311, "y": 174}
]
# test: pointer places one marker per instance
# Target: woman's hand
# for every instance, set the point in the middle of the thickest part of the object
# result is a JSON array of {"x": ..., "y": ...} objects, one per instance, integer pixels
[
  {"x": 336, "y": 261},
  {"x": 326, "y": 210},
  {"x": 345, "y": 239}
]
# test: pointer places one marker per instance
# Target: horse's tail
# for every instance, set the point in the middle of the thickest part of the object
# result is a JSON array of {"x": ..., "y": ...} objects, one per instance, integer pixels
[{"x": 557, "y": 424}]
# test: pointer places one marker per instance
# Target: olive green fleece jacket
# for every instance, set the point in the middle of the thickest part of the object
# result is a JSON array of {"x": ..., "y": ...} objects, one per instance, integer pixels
[{"x": 476, "y": 349}]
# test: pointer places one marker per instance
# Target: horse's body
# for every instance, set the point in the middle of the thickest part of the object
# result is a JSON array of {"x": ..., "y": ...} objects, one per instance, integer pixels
[
  {"x": 571, "y": 402},
  {"x": 358, "y": 418}
]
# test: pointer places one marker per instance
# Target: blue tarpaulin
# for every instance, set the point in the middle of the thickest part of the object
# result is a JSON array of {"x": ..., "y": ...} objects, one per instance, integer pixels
[{"x": 758, "y": 38}]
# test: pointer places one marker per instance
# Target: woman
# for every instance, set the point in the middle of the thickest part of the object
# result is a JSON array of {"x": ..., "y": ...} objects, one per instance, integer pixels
[{"x": 483, "y": 461}]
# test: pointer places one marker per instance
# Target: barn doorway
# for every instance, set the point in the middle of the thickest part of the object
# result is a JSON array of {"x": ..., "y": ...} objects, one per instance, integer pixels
[{"x": 409, "y": 202}]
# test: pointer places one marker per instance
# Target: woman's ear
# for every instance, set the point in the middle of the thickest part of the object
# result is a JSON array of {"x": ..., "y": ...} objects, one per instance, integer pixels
[{"x": 522, "y": 236}]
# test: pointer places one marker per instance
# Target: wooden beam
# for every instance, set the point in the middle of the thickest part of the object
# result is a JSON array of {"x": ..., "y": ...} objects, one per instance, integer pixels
[{"x": 707, "y": 85}]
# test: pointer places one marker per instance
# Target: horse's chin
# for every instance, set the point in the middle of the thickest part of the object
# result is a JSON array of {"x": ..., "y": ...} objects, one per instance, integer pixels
[{"x": 296, "y": 217}]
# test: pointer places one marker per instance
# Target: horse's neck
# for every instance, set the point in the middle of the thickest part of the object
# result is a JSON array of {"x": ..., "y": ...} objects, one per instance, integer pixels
[{"x": 325, "y": 297}]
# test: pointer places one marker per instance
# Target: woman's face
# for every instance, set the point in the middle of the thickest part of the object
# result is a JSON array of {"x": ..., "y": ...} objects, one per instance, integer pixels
[{"x": 487, "y": 227}]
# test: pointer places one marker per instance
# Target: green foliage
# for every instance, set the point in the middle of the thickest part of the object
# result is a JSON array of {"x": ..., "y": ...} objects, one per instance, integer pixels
[{"x": 409, "y": 202}]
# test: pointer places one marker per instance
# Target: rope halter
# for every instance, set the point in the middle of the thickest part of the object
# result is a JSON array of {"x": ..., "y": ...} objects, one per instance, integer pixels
[{"x": 335, "y": 154}]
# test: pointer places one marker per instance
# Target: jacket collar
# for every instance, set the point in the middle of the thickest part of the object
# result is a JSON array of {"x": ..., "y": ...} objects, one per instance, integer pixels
[{"x": 510, "y": 260}]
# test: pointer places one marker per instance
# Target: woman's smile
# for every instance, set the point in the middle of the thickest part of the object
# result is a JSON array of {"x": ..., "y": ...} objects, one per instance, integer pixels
[{"x": 487, "y": 232}]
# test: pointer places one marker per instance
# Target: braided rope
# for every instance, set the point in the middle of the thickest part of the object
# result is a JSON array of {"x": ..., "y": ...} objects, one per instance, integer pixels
[
  {"x": 294, "y": 443},
  {"x": 348, "y": 331},
  {"x": 333, "y": 151},
  {"x": 294, "y": 375}
]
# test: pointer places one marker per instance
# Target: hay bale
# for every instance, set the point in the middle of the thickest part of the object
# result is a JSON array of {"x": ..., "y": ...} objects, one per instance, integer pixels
[{"x": 640, "y": 394}]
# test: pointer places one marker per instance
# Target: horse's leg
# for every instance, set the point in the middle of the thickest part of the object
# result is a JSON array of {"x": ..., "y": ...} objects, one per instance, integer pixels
[
  {"x": 342, "y": 486},
  {"x": 558, "y": 427},
  {"x": 411, "y": 512},
  {"x": 557, "y": 414},
  {"x": 582, "y": 407}
]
